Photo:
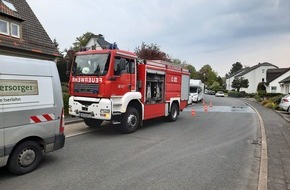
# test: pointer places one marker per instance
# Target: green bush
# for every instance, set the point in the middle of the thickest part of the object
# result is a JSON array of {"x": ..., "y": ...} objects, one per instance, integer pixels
[
  {"x": 64, "y": 87},
  {"x": 237, "y": 94},
  {"x": 65, "y": 102},
  {"x": 276, "y": 99}
]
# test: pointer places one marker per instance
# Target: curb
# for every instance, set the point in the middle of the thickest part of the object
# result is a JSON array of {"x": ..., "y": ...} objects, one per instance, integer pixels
[
  {"x": 263, "y": 174},
  {"x": 77, "y": 120}
]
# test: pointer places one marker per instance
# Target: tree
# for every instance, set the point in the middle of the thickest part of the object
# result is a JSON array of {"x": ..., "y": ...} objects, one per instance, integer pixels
[
  {"x": 193, "y": 72},
  {"x": 261, "y": 87},
  {"x": 151, "y": 52},
  {"x": 235, "y": 67},
  {"x": 207, "y": 75},
  {"x": 81, "y": 41},
  {"x": 240, "y": 83},
  {"x": 215, "y": 86}
]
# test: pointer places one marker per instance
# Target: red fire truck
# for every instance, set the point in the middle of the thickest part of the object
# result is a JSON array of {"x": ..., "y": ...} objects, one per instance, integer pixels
[{"x": 114, "y": 85}]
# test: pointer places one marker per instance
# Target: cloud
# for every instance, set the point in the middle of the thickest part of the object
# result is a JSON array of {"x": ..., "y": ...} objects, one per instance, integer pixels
[{"x": 197, "y": 31}]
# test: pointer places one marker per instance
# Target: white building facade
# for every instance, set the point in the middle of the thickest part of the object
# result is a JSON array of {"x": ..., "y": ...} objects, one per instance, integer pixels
[
  {"x": 255, "y": 75},
  {"x": 279, "y": 84}
]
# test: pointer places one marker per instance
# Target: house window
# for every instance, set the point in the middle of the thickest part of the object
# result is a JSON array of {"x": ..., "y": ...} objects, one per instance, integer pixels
[
  {"x": 4, "y": 29},
  {"x": 263, "y": 70},
  {"x": 263, "y": 80},
  {"x": 273, "y": 89},
  {"x": 15, "y": 30}
]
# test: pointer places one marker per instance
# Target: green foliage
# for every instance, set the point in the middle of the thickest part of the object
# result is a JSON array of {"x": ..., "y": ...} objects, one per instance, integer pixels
[
  {"x": 240, "y": 83},
  {"x": 236, "y": 94},
  {"x": 193, "y": 72},
  {"x": 61, "y": 67},
  {"x": 65, "y": 102},
  {"x": 81, "y": 41},
  {"x": 261, "y": 87},
  {"x": 276, "y": 99},
  {"x": 261, "y": 93},
  {"x": 235, "y": 67},
  {"x": 207, "y": 75},
  {"x": 216, "y": 86}
]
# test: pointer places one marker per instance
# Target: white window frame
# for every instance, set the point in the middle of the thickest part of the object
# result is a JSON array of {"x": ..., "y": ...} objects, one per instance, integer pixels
[
  {"x": 273, "y": 89},
  {"x": 18, "y": 30},
  {"x": 7, "y": 27}
]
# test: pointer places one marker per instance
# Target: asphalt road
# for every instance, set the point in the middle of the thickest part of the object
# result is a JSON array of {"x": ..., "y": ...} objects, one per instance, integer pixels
[{"x": 211, "y": 150}]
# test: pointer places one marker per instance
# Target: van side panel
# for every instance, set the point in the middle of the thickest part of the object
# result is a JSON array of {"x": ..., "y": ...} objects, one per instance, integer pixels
[
  {"x": 31, "y": 104},
  {"x": 27, "y": 115},
  {"x": 1, "y": 134}
]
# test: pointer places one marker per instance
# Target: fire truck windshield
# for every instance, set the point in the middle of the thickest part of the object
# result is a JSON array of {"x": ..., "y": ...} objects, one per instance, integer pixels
[{"x": 92, "y": 64}]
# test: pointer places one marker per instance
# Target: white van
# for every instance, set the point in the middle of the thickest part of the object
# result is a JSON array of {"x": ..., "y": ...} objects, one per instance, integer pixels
[
  {"x": 31, "y": 112},
  {"x": 196, "y": 88}
]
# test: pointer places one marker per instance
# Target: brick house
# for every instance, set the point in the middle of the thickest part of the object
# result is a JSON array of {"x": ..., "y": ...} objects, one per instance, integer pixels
[{"x": 21, "y": 33}]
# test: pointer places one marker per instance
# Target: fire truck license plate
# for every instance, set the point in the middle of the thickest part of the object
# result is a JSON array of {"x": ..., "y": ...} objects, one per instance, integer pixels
[{"x": 86, "y": 115}]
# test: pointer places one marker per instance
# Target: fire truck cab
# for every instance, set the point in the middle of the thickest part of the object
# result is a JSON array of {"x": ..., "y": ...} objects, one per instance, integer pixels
[{"x": 113, "y": 85}]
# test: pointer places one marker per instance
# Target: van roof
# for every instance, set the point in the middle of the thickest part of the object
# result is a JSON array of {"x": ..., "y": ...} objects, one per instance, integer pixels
[{"x": 25, "y": 66}]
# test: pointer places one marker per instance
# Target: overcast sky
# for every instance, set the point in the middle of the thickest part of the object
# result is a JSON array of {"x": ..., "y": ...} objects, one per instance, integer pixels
[{"x": 214, "y": 32}]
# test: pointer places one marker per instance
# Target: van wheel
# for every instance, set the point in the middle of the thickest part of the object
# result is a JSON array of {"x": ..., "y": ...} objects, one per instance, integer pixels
[
  {"x": 174, "y": 112},
  {"x": 25, "y": 158},
  {"x": 130, "y": 121},
  {"x": 93, "y": 122}
]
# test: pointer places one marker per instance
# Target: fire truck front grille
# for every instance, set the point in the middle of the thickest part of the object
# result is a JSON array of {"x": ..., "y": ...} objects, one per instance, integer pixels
[{"x": 86, "y": 88}]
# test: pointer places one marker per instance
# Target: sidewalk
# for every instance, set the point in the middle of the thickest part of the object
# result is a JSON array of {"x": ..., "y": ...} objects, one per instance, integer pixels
[{"x": 277, "y": 127}]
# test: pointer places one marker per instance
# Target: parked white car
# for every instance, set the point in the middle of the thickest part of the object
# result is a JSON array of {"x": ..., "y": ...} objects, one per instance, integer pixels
[
  {"x": 220, "y": 94},
  {"x": 285, "y": 103}
]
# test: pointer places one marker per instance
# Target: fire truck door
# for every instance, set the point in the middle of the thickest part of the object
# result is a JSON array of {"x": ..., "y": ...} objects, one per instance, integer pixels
[{"x": 124, "y": 72}]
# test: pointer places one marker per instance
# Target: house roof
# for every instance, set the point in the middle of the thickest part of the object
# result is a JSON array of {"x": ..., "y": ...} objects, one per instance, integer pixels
[
  {"x": 272, "y": 74},
  {"x": 287, "y": 79},
  {"x": 101, "y": 40},
  {"x": 235, "y": 73},
  {"x": 34, "y": 38},
  {"x": 6, "y": 8},
  {"x": 247, "y": 70}
]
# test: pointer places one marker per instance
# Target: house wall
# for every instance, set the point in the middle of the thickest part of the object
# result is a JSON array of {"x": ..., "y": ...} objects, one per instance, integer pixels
[
  {"x": 284, "y": 89},
  {"x": 93, "y": 41},
  {"x": 229, "y": 83},
  {"x": 255, "y": 77}
]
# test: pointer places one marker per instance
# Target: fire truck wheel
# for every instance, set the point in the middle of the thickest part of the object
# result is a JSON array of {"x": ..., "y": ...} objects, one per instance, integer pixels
[
  {"x": 174, "y": 112},
  {"x": 130, "y": 121},
  {"x": 25, "y": 158},
  {"x": 93, "y": 122}
]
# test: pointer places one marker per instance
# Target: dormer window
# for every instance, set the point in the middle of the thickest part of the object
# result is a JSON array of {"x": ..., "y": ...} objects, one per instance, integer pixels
[
  {"x": 15, "y": 30},
  {"x": 9, "y": 28},
  {"x": 4, "y": 27}
]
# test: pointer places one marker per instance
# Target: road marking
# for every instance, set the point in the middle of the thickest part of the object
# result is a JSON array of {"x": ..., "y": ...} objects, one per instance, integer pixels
[{"x": 235, "y": 109}]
